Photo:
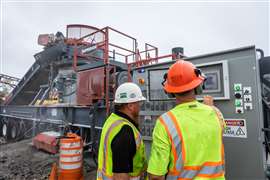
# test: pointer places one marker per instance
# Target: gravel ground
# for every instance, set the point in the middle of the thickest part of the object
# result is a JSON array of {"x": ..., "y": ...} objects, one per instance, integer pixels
[{"x": 22, "y": 161}]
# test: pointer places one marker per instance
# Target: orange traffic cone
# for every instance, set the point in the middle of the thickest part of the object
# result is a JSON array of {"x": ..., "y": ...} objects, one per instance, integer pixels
[
  {"x": 71, "y": 158},
  {"x": 53, "y": 174}
]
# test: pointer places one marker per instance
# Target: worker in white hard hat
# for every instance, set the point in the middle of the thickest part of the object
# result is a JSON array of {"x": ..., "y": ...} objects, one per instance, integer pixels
[{"x": 121, "y": 151}]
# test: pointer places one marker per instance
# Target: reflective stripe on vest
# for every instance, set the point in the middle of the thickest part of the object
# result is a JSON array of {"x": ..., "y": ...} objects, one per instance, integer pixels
[
  {"x": 208, "y": 169},
  {"x": 176, "y": 140},
  {"x": 205, "y": 171},
  {"x": 220, "y": 117},
  {"x": 138, "y": 140},
  {"x": 101, "y": 176},
  {"x": 222, "y": 125},
  {"x": 105, "y": 155}
]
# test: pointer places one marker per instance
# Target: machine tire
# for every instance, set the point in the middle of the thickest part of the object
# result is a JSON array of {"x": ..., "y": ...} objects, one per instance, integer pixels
[
  {"x": 6, "y": 130},
  {"x": 13, "y": 129},
  {"x": 21, "y": 130},
  {"x": 1, "y": 124}
]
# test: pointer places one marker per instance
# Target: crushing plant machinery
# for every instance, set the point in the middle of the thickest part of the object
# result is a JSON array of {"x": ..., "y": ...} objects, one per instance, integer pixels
[{"x": 71, "y": 86}]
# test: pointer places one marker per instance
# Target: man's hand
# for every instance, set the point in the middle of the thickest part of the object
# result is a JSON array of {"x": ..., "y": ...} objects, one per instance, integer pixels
[
  {"x": 208, "y": 100},
  {"x": 120, "y": 176},
  {"x": 154, "y": 177}
]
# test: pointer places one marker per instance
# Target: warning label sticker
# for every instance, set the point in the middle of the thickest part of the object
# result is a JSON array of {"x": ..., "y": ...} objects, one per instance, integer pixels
[{"x": 235, "y": 128}]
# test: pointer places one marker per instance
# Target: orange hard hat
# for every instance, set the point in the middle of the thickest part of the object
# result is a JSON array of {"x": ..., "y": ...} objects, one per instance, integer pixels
[{"x": 182, "y": 76}]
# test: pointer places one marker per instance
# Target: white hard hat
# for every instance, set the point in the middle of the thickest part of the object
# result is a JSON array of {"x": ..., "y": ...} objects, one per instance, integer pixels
[{"x": 128, "y": 93}]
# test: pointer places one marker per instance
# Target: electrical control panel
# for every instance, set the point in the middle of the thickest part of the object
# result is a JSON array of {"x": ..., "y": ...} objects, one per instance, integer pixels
[
  {"x": 216, "y": 83},
  {"x": 243, "y": 98},
  {"x": 158, "y": 102},
  {"x": 217, "y": 79},
  {"x": 150, "y": 112}
]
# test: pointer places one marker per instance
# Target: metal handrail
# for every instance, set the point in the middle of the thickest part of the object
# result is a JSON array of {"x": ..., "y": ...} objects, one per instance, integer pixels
[{"x": 105, "y": 45}]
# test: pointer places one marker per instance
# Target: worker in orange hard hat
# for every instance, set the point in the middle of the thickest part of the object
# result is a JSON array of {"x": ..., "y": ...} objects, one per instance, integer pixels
[{"x": 187, "y": 140}]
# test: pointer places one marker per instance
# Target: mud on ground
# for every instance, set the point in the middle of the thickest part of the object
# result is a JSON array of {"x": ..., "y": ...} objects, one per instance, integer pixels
[{"x": 22, "y": 161}]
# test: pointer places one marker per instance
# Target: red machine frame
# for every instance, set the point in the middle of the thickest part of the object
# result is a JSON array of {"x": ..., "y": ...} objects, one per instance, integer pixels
[{"x": 105, "y": 44}]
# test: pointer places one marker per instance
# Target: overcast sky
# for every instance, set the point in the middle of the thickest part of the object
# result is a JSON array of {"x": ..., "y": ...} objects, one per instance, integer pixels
[{"x": 199, "y": 27}]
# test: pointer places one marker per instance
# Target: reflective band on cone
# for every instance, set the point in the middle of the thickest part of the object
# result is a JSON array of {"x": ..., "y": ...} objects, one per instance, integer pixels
[
  {"x": 70, "y": 161},
  {"x": 70, "y": 152},
  {"x": 71, "y": 145},
  {"x": 70, "y": 166}
]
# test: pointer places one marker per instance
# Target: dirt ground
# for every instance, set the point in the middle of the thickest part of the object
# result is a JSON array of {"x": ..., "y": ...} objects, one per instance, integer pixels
[{"x": 22, "y": 161}]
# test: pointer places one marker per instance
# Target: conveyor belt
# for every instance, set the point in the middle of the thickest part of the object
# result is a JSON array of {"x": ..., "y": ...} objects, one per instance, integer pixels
[{"x": 37, "y": 75}]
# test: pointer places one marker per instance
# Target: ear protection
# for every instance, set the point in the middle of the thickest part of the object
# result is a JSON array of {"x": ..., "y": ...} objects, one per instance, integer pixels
[
  {"x": 170, "y": 95},
  {"x": 198, "y": 90}
]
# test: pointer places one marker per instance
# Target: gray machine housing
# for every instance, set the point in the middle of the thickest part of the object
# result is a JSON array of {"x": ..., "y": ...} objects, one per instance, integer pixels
[{"x": 236, "y": 88}]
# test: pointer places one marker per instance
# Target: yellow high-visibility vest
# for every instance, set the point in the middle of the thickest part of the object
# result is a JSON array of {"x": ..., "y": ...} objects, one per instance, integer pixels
[
  {"x": 193, "y": 133},
  {"x": 110, "y": 129}
]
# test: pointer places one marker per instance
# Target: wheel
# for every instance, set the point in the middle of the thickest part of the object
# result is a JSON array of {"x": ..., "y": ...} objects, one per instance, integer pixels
[
  {"x": 1, "y": 124},
  {"x": 13, "y": 129},
  {"x": 6, "y": 130},
  {"x": 21, "y": 129}
]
